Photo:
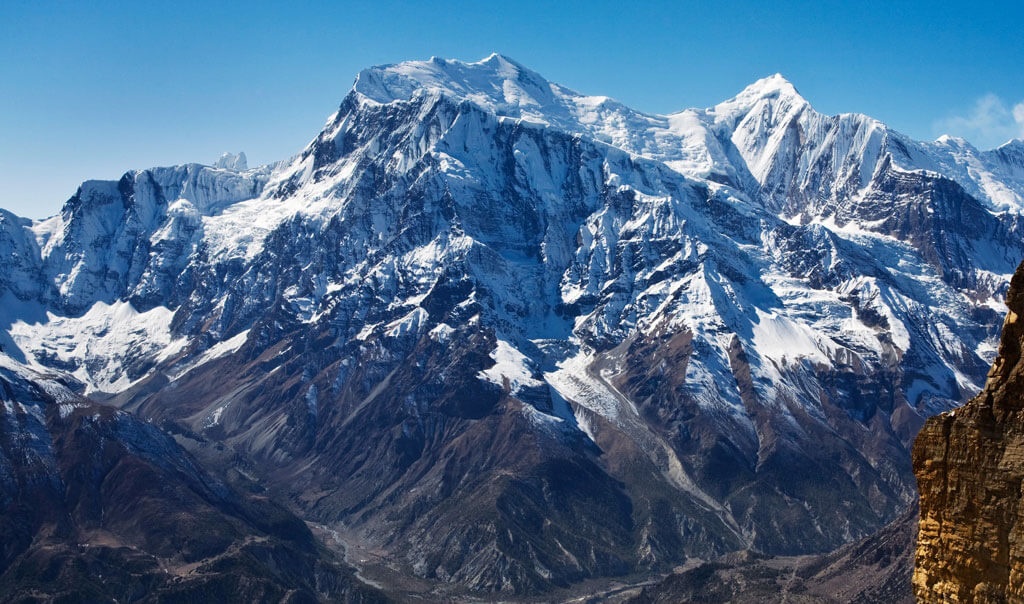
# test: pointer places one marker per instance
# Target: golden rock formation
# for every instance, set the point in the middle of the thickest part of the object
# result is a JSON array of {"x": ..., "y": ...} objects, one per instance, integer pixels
[{"x": 969, "y": 464}]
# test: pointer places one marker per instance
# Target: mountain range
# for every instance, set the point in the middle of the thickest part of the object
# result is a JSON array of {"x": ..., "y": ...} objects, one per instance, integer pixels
[{"x": 487, "y": 334}]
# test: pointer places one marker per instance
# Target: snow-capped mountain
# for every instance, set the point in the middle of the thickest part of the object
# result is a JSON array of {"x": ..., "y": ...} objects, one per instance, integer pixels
[{"x": 515, "y": 337}]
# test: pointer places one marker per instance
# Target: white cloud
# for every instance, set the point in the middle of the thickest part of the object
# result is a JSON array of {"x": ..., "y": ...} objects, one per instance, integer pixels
[{"x": 988, "y": 124}]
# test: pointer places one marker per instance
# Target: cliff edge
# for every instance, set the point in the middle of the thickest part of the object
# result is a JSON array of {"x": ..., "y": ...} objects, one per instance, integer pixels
[{"x": 969, "y": 464}]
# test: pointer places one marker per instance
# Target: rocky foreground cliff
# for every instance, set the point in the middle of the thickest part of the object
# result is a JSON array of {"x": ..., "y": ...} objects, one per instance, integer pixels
[{"x": 970, "y": 469}]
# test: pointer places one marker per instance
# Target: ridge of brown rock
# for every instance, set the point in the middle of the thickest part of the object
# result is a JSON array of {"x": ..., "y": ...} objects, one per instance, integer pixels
[{"x": 969, "y": 464}]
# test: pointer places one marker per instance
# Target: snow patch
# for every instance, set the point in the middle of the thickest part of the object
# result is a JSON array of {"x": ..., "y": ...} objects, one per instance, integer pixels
[
  {"x": 100, "y": 345},
  {"x": 218, "y": 350},
  {"x": 411, "y": 323},
  {"x": 511, "y": 365},
  {"x": 442, "y": 333},
  {"x": 779, "y": 337}
]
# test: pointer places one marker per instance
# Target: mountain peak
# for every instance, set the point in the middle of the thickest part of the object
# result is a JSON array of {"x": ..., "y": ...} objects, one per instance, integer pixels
[
  {"x": 1012, "y": 144},
  {"x": 954, "y": 141},
  {"x": 499, "y": 60},
  {"x": 496, "y": 82},
  {"x": 773, "y": 97},
  {"x": 771, "y": 87},
  {"x": 232, "y": 161}
]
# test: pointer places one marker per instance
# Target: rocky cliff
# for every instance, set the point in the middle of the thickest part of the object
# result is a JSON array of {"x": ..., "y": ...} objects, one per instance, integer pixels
[{"x": 970, "y": 469}]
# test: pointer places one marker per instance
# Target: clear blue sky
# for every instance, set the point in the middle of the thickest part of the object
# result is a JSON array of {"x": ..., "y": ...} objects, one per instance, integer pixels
[{"x": 93, "y": 89}]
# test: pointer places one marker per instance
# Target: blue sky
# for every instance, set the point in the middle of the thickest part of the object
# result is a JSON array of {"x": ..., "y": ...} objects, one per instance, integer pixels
[{"x": 93, "y": 89}]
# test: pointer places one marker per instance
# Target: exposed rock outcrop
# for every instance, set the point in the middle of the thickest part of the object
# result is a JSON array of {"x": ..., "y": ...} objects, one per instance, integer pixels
[{"x": 970, "y": 468}]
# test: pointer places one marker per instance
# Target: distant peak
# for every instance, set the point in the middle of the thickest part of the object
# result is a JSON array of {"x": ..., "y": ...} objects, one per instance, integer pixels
[
  {"x": 496, "y": 79},
  {"x": 954, "y": 142},
  {"x": 498, "y": 59},
  {"x": 773, "y": 90},
  {"x": 1013, "y": 143},
  {"x": 494, "y": 61},
  {"x": 772, "y": 86},
  {"x": 231, "y": 161}
]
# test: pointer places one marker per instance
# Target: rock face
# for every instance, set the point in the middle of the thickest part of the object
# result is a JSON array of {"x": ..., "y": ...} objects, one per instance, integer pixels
[{"x": 970, "y": 470}]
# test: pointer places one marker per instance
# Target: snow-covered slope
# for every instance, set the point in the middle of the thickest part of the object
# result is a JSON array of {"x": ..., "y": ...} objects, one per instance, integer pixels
[{"x": 474, "y": 288}]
